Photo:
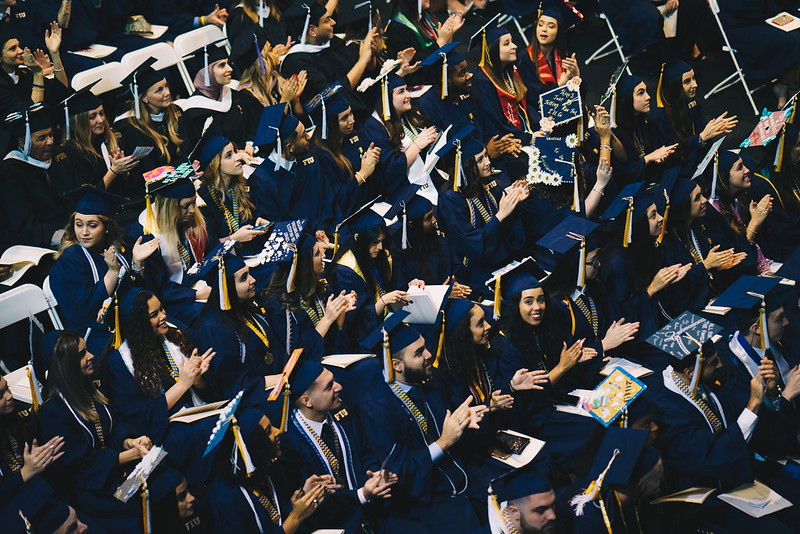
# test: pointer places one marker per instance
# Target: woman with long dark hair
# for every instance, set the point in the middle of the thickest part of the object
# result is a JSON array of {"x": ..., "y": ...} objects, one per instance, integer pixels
[
  {"x": 260, "y": 17},
  {"x": 97, "y": 449},
  {"x": 414, "y": 26},
  {"x": 677, "y": 94}
]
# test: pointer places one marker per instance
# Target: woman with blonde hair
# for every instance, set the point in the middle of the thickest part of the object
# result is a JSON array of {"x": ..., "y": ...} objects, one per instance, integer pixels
[{"x": 151, "y": 122}]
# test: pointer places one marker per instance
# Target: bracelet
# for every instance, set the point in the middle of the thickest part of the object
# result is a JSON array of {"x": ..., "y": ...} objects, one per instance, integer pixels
[
  {"x": 58, "y": 70},
  {"x": 605, "y": 147},
  {"x": 38, "y": 86},
  {"x": 601, "y": 193},
  {"x": 416, "y": 144},
  {"x": 384, "y": 302},
  {"x": 360, "y": 179}
]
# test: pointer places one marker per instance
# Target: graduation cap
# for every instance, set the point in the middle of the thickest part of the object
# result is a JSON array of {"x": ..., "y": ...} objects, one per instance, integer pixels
[
  {"x": 32, "y": 119},
  {"x": 669, "y": 72},
  {"x": 91, "y": 200},
  {"x": 768, "y": 128},
  {"x": 510, "y": 487},
  {"x": 174, "y": 183},
  {"x": 456, "y": 310},
  {"x": 622, "y": 459},
  {"x": 684, "y": 337},
  {"x": 282, "y": 245},
  {"x": 625, "y": 201},
  {"x": 355, "y": 11},
  {"x": 246, "y": 50},
  {"x": 284, "y": 386},
  {"x": 140, "y": 79},
  {"x": 82, "y": 101},
  {"x": 393, "y": 335},
  {"x": 303, "y": 376},
  {"x": 565, "y": 236},
  {"x": 307, "y": 11},
  {"x": 456, "y": 141},
  {"x": 565, "y": 14},
  {"x": 227, "y": 418},
  {"x": 441, "y": 55},
  {"x": 712, "y": 155},
  {"x": 749, "y": 294},
  {"x": 348, "y": 222},
  {"x": 275, "y": 124},
  {"x": 400, "y": 208},
  {"x": 626, "y": 85},
  {"x": 217, "y": 263},
  {"x": 553, "y": 162},
  {"x": 515, "y": 278},
  {"x": 330, "y": 103},
  {"x": 212, "y": 52},
  {"x": 611, "y": 92},
  {"x": 562, "y": 104},
  {"x": 208, "y": 148},
  {"x": 488, "y": 33}
]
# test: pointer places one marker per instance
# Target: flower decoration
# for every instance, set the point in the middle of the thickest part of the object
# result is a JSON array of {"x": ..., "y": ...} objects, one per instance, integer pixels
[
  {"x": 571, "y": 140},
  {"x": 574, "y": 83},
  {"x": 547, "y": 124}
]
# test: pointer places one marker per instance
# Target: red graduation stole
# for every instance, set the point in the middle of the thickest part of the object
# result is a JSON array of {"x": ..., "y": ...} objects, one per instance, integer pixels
[
  {"x": 545, "y": 74},
  {"x": 509, "y": 103}
]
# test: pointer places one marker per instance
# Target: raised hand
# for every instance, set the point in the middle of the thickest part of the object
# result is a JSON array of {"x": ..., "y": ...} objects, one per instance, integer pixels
[
  {"x": 52, "y": 38},
  {"x": 618, "y": 333},
  {"x": 524, "y": 380},
  {"x": 142, "y": 251}
]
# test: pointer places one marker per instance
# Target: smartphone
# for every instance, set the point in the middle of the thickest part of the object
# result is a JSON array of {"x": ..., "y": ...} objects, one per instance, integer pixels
[{"x": 262, "y": 227}]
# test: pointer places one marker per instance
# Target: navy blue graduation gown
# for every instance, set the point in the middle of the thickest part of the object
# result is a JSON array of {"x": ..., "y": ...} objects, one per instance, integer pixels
[
  {"x": 617, "y": 277},
  {"x": 300, "y": 332},
  {"x": 132, "y": 185},
  {"x": 348, "y": 194},
  {"x": 694, "y": 290},
  {"x": 460, "y": 111},
  {"x": 302, "y": 193},
  {"x": 658, "y": 133},
  {"x": 239, "y": 23},
  {"x": 237, "y": 511},
  {"x": 492, "y": 119},
  {"x": 579, "y": 326},
  {"x": 779, "y": 236},
  {"x": 434, "y": 267},
  {"x": 217, "y": 226},
  {"x": 393, "y": 162}
]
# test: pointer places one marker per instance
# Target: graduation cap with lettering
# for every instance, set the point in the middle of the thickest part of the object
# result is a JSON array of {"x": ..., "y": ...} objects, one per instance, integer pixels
[
  {"x": 748, "y": 295},
  {"x": 245, "y": 51},
  {"x": 393, "y": 335},
  {"x": 669, "y": 72},
  {"x": 562, "y": 104},
  {"x": 568, "y": 234},
  {"x": 275, "y": 124},
  {"x": 553, "y": 161},
  {"x": 441, "y": 55},
  {"x": 175, "y": 184},
  {"x": 513, "y": 279},
  {"x": 82, "y": 101},
  {"x": 686, "y": 336},
  {"x": 328, "y": 104},
  {"x": 512, "y": 486},
  {"x": 486, "y": 35},
  {"x": 769, "y": 127},
  {"x": 300, "y": 15},
  {"x": 31, "y": 119},
  {"x": 140, "y": 79},
  {"x": 216, "y": 268},
  {"x": 622, "y": 459}
]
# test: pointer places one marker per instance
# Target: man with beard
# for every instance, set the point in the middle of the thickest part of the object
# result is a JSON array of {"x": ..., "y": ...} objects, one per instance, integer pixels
[
  {"x": 522, "y": 502},
  {"x": 321, "y": 438},
  {"x": 410, "y": 426},
  {"x": 257, "y": 502}
]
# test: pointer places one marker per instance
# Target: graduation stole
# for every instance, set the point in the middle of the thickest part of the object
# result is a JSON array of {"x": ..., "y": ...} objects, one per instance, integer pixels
[
  {"x": 315, "y": 310},
  {"x": 98, "y": 427},
  {"x": 251, "y": 320},
  {"x": 270, "y": 503},
  {"x": 173, "y": 365},
  {"x": 481, "y": 386},
  {"x": 324, "y": 453},
  {"x": 744, "y": 352},
  {"x": 426, "y": 22},
  {"x": 348, "y": 260},
  {"x": 186, "y": 252},
  {"x": 545, "y": 73},
  {"x": 486, "y": 210},
  {"x": 410, "y": 407},
  {"x": 708, "y": 413},
  {"x": 13, "y": 457},
  {"x": 516, "y": 112},
  {"x": 231, "y": 217},
  {"x": 589, "y": 311}
]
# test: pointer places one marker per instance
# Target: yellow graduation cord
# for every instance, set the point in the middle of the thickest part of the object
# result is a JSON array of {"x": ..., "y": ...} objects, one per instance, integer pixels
[
  {"x": 498, "y": 297},
  {"x": 440, "y": 347},
  {"x": 117, "y": 333},
  {"x": 225, "y": 301},
  {"x": 659, "y": 102},
  {"x": 34, "y": 395},
  {"x": 779, "y": 151}
]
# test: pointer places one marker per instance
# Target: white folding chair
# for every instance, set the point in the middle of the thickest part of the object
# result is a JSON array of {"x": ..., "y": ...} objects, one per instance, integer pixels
[
  {"x": 189, "y": 42},
  {"x": 613, "y": 45},
  {"x": 109, "y": 74},
  {"x": 19, "y": 303},
  {"x": 738, "y": 74},
  {"x": 51, "y": 299},
  {"x": 163, "y": 52}
]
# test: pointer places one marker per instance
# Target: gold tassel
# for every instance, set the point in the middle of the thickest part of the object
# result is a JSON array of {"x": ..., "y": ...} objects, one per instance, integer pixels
[
  {"x": 292, "y": 272},
  {"x": 237, "y": 436},
  {"x": 498, "y": 297},
  {"x": 145, "y": 506},
  {"x": 225, "y": 301},
  {"x": 117, "y": 332},
  {"x": 790, "y": 120},
  {"x": 388, "y": 373},
  {"x": 150, "y": 225},
  {"x": 385, "y": 100},
  {"x": 285, "y": 411},
  {"x": 455, "y": 171},
  {"x": 762, "y": 325},
  {"x": 659, "y": 102},
  {"x": 484, "y": 52},
  {"x": 779, "y": 151},
  {"x": 539, "y": 11},
  {"x": 34, "y": 394},
  {"x": 698, "y": 372},
  {"x": 335, "y": 242},
  {"x": 440, "y": 347},
  {"x": 582, "y": 267},
  {"x": 663, "y": 224},
  {"x": 445, "y": 91},
  {"x": 628, "y": 222}
]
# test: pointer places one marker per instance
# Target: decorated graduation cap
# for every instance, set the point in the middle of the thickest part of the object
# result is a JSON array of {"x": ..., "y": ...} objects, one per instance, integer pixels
[
  {"x": 91, "y": 200},
  {"x": 388, "y": 81},
  {"x": 565, "y": 236},
  {"x": 347, "y": 224},
  {"x": 485, "y": 36},
  {"x": 611, "y": 92},
  {"x": 625, "y": 202},
  {"x": 456, "y": 142},
  {"x": 215, "y": 267},
  {"x": 275, "y": 124},
  {"x": 553, "y": 162},
  {"x": 669, "y": 72},
  {"x": 622, "y": 459},
  {"x": 441, "y": 55},
  {"x": 246, "y": 50},
  {"x": 167, "y": 182},
  {"x": 711, "y": 158},
  {"x": 393, "y": 335},
  {"x": 513, "y": 279},
  {"x": 140, "y": 79},
  {"x": 284, "y": 387},
  {"x": 24, "y": 122},
  {"x": 327, "y": 105},
  {"x": 82, "y": 101},
  {"x": 227, "y": 419},
  {"x": 302, "y": 14},
  {"x": 514, "y": 485},
  {"x": 687, "y": 336},
  {"x": 748, "y": 296},
  {"x": 769, "y": 127}
]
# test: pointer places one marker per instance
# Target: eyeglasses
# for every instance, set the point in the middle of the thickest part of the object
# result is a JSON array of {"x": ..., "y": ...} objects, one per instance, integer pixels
[{"x": 594, "y": 263}]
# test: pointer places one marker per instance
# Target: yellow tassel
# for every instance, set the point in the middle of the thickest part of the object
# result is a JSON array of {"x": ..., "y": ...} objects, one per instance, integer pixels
[
  {"x": 779, "y": 152},
  {"x": 762, "y": 325},
  {"x": 34, "y": 394},
  {"x": 385, "y": 100},
  {"x": 441, "y": 344},
  {"x": 150, "y": 225},
  {"x": 660, "y": 102},
  {"x": 292, "y": 272},
  {"x": 663, "y": 224},
  {"x": 498, "y": 297},
  {"x": 696, "y": 379},
  {"x": 444, "y": 77},
  {"x": 455, "y": 171},
  {"x": 117, "y": 332},
  {"x": 388, "y": 373},
  {"x": 790, "y": 120},
  {"x": 582, "y": 267},
  {"x": 628, "y": 222},
  {"x": 237, "y": 437},
  {"x": 226, "y": 301},
  {"x": 285, "y": 411},
  {"x": 484, "y": 52},
  {"x": 539, "y": 11},
  {"x": 335, "y": 242},
  {"x": 145, "y": 506}
]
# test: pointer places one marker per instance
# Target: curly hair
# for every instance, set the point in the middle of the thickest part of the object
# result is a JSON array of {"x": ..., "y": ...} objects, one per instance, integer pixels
[
  {"x": 150, "y": 367},
  {"x": 395, "y": 126},
  {"x": 113, "y": 235}
]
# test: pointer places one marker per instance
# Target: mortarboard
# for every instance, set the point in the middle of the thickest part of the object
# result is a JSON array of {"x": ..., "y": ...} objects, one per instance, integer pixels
[
  {"x": 561, "y": 104},
  {"x": 273, "y": 126},
  {"x": 625, "y": 201},
  {"x": 303, "y": 376},
  {"x": 791, "y": 267},
  {"x": 611, "y": 92},
  {"x": 513, "y": 279},
  {"x": 8, "y": 31},
  {"x": 281, "y": 246},
  {"x": 355, "y": 11},
  {"x": 284, "y": 386},
  {"x": 82, "y": 101},
  {"x": 25, "y": 122},
  {"x": 748, "y": 295},
  {"x": 175, "y": 184},
  {"x": 441, "y": 55},
  {"x": 245, "y": 51},
  {"x": 565, "y": 236},
  {"x": 486, "y": 35},
  {"x": 91, "y": 200},
  {"x": 45, "y": 347},
  {"x": 683, "y": 337},
  {"x": 227, "y": 418},
  {"x": 512, "y": 486},
  {"x": 330, "y": 104},
  {"x": 140, "y": 79},
  {"x": 215, "y": 267},
  {"x": 385, "y": 78},
  {"x": 669, "y": 71},
  {"x": 712, "y": 155},
  {"x": 212, "y": 52},
  {"x": 769, "y": 127},
  {"x": 393, "y": 335},
  {"x": 125, "y": 303},
  {"x": 361, "y": 220},
  {"x": 300, "y": 15},
  {"x": 400, "y": 208},
  {"x": 553, "y": 162},
  {"x": 564, "y": 13},
  {"x": 208, "y": 148},
  {"x": 456, "y": 141},
  {"x": 456, "y": 310}
]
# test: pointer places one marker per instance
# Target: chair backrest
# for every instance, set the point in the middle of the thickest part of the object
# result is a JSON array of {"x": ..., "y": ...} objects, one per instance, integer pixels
[
  {"x": 20, "y": 302},
  {"x": 163, "y": 52},
  {"x": 110, "y": 75},
  {"x": 187, "y": 43}
]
